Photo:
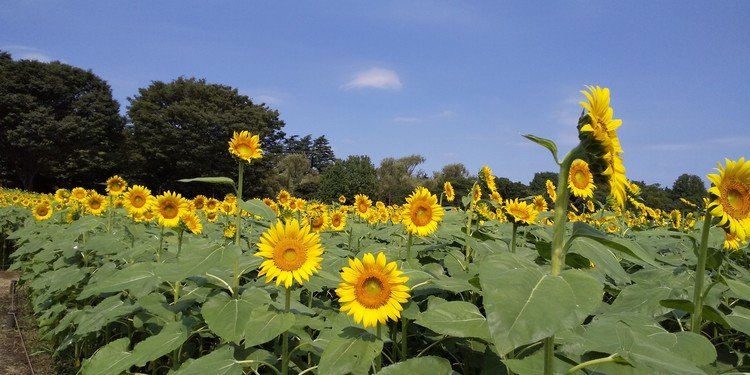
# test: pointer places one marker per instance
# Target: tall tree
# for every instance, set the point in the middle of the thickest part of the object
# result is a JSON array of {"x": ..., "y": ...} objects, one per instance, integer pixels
[
  {"x": 510, "y": 190},
  {"x": 355, "y": 175},
  {"x": 317, "y": 151},
  {"x": 396, "y": 177},
  {"x": 690, "y": 187},
  {"x": 459, "y": 177},
  {"x": 59, "y": 125},
  {"x": 296, "y": 176},
  {"x": 180, "y": 130},
  {"x": 538, "y": 184}
]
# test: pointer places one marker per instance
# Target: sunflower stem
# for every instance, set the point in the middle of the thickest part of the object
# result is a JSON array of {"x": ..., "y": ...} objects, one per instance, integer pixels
[
  {"x": 161, "y": 244},
  {"x": 240, "y": 175},
  {"x": 180, "y": 232},
  {"x": 379, "y": 359},
  {"x": 468, "y": 234},
  {"x": 513, "y": 237},
  {"x": 109, "y": 215},
  {"x": 285, "y": 336},
  {"x": 408, "y": 246},
  {"x": 404, "y": 334},
  {"x": 700, "y": 274}
]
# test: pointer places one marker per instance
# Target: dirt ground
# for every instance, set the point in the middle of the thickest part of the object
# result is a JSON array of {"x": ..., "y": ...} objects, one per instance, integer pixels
[{"x": 12, "y": 358}]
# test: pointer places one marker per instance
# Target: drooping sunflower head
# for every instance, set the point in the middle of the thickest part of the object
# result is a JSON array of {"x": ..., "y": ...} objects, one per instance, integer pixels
[
  {"x": 450, "y": 194},
  {"x": 520, "y": 212},
  {"x": 551, "y": 190},
  {"x": 116, "y": 185},
  {"x": 730, "y": 197},
  {"x": 372, "y": 290},
  {"x": 580, "y": 179},
  {"x": 489, "y": 179},
  {"x": 42, "y": 211},
  {"x": 138, "y": 199},
  {"x": 540, "y": 204},
  {"x": 95, "y": 203},
  {"x": 245, "y": 146},
  {"x": 192, "y": 222},
  {"x": 476, "y": 194},
  {"x": 292, "y": 253},
  {"x": 421, "y": 213},
  {"x": 169, "y": 206},
  {"x": 362, "y": 203}
]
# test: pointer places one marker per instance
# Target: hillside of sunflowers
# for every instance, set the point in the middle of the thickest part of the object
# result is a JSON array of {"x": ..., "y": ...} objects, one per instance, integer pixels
[{"x": 134, "y": 280}]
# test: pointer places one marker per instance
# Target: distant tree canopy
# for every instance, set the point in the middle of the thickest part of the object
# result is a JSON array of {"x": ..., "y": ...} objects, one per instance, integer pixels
[
  {"x": 690, "y": 187},
  {"x": 355, "y": 175},
  {"x": 59, "y": 126},
  {"x": 318, "y": 151},
  {"x": 397, "y": 178},
  {"x": 181, "y": 130},
  {"x": 538, "y": 184},
  {"x": 458, "y": 175}
]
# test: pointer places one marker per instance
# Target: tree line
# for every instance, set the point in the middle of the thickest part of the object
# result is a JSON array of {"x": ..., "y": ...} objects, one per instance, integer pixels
[{"x": 61, "y": 127}]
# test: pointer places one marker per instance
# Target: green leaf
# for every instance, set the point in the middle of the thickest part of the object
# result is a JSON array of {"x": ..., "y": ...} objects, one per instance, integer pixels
[
  {"x": 227, "y": 317},
  {"x": 219, "y": 362},
  {"x": 210, "y": 180},
  {"x": 265, "y": 325},
  {"x": 140, "y": 277},
  {"x": 603, "y": 258},
  {"x": 105, "y": 312},
  {"x": 351, "y": 351},
  {"x": 629, "y": 248},
  {"x": 518, "y": 296},
  {"x": 739, "y": 288},
  {"x": 455, "y": 318},
  {"x": 428, "y": 365},
  {"x": 113, "y": 358},
  {"x": 168, "y": 339},
  {"x": 546, "y": 143},
  {"x": 739, "y": 319},
  {"x": 257, "y": 207},
  {"x": 534, "y": 365},
  {"x": 195, "y": 262}
]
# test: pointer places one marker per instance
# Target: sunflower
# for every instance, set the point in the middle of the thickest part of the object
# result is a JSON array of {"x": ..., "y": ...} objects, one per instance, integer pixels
[
  {"x": 230, "y": 230},
  {"x": 283, "y": 197},
  {"x": 580, "y": 179},
  {"x": 598, "y": 132},
  {"x": 62, "y": 195},
  {"x": 489, "y": 179},
  {"x": 372, "y": 290},
  {"x": 520, "y": 212},
  {"x": 496, "y": 197},
  {"x": 421, "y": 213},
  {"x": 229, "y": 207},
  {"x": 138, "y": 199},
  {"x": 551, "y": 190},
  {"x": 342, "y": 199},
  {"x": 192, "y": 222},
  {"x": 730, "y": 197},
  {"x": 199, "y": 201},
  {"x": 211, "y": 205},
  {"x": 79, "y": 194},
  {"x": 540, "y": 204},
  {"x": 245, "y": 146},
  {"x": 362, "y": 203},
  {"x": 169, "y": 206},
  {"x": 317, "y": 222},
  {"x": 42, "y": 211},
  {"x": 450, "y": 194},
  {"x": 212, "y": 216},
  {"x": 590, "y": 206},
  {"x": 95, "y": 203},
  {"x": 476, "y": 194},
  {"x": 292, "y": 253},
  {"x": 116, "y": 185},
  {"x": 338, "y": 221},
  {"x": 732, "y": 242}
]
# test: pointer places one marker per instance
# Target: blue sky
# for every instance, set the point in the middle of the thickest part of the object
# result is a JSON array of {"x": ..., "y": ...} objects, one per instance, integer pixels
[{"x": 453, "y": 81}]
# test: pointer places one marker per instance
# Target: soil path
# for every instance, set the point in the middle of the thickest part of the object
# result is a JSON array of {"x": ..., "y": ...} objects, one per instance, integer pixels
[{"x": 13, "y": 360}]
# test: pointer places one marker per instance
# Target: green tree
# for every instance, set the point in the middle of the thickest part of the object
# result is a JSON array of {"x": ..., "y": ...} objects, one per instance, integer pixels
[
  {"x": 458, "y": 175},
  {"x": 59, "y": 126},
  {"x": 181, "y": 129},
  {"x": 690, "y": 187},
  {"x": 355, "y": 175},
  {"x": 397, "y": 179},
  {"x": 510, "y": 190},
  {"x": 538, "y": 184},
  {"x": 296, "y": 176},
  {"x": 654, "y": 196},
  {"x": 318, "y": 151}
]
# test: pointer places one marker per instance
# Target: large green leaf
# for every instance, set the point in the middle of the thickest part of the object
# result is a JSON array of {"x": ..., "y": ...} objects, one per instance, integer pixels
[
  {"x": 546, "y": 143},
  {"x": 264, "y": 325},
  {"x": 455, "y": 318},
  {"x": 428, "y": 365},
  {"x": 113, "y": 358},
  {"x": 739, "y": 319},
  {"x": 257, "y": 207},
  {"x": 739, "y": 289},
  {"x": 219, "y": 362},
  {"x": 602, "y": 257},
  {"x": 167, "y": 340},
  {"x": 139, "y": 277},
  {"x": 211, "y": 180},
  {"x": 630, "y": 249},
  {"x": 524, "y": 304},
  {"x": 351, "y": 351},
  {"x": 196, "y": 261},
  {"x": 105, "y": 312},
  {"x": 227, "y": 317}
]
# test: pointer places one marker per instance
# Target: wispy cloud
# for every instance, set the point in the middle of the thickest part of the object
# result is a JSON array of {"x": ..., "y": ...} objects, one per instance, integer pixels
[
  {"x": 377, "y": 78},
  {"x": 26, "y": 53}
]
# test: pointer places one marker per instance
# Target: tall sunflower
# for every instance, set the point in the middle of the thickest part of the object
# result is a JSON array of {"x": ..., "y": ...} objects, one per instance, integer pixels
[
  {"x": 489, "y": 179},
  {"x": 520, "y": 211},
  {"x": 291, "y": 252},
  {"x": 138, "y": 199},
  {"x": 116, "y": 185},
  {"x": 372, "y": 290},
  {"x": 245, "y": 146},
  {"x": 598, "y": 132},
  {"x": 421, "y": 213},
  {"x": 580, "y": 179},
  {"x": 730, "y": 197},
  {"x": 169, "y": 206},
  {"x": 450, "y": 194}
]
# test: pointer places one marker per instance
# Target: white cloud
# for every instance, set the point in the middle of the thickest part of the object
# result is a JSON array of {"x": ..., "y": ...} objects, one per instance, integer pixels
[
  {"x": 378, "y": 78},
  {"x": 26, "y": 53}
]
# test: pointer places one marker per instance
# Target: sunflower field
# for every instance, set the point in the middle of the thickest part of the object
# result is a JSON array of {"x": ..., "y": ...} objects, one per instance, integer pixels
[{"x": 135, "y": 282}]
